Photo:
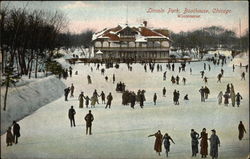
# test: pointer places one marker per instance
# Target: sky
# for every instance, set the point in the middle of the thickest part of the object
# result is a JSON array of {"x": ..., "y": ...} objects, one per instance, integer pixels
[{"x": 97, "y": 15}]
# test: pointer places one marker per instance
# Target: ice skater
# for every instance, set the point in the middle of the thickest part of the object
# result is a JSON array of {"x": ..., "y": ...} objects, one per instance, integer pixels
[
  {"x": 155, "y": 98},
  {"x": 16, "y": 131},
  {"x": 71, "y": 115},
  {"x": 166, "y": 141},
  {"x": 89, "y": 118},
  {"x": 242, "y": 130},
  {"x": 194, "y": 142},
  {"x": 109, "y": 100},
  {"x": 158, "y": 142},
  {"x": 214, "y": 143}
]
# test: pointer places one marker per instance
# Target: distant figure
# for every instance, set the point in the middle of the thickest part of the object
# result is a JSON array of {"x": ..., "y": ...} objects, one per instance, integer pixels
[
  {"x": 71, "y": 114},
  {"x": 87, "y": 99},
  {"x": 72, "y": 90},
  {"x": 202, "y": 74},
  {"x": 155, "y": 98},
  {"x": 205, "y": 80},
  {"x": 202, "y": 92},
  {"x": 106, "y": 78},
  {"x": 76, "y": 73},
  {"x": 80, "y": 98},
  {"x": 16, "y": 131},
  {"x": 9, "y": 137},
  {"x": 233, "y": 67},
  {"x": 242, "y": 130},
  {"x": 190, "y": 70},
  {"x": 226, "y": 98},
  {"x": 246, "y": 68},
  {"x": 219, "y": 77},
  {"x": 186, "y": 97},
  {"x": 238, "y": 99},
  {"x": 166, "y": 143},
  {"x": 102, "y": 97},
  {"x": 243, "y": 76},
  {"x": 158, "y": 142},
  {"x": 232, "y": 95},
  {"x": 214, "y": 143},
  {"x": 220, "y": 95},
  {"x": 89, "y": 79},
  {"x": 184, "y": 80},
  {"x": 194, "y": 142},
  {"x": 66, "y": 93},
  {"x": 204, "y": 143},
  {"x": 113, "y": 78},
  {"x": 164, "y": 92},
  {"x": 89, "y": 118},
  {"x": 109, "y": 100}
]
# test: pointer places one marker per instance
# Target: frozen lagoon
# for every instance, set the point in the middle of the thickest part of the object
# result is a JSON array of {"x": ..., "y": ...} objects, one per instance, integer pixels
[{"x": 121, "y": 132}]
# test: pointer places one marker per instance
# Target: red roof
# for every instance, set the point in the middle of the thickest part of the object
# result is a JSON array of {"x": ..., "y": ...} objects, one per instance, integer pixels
[
  {"x": 147, "y": 32},
  {"x": 111, "y": 36}
]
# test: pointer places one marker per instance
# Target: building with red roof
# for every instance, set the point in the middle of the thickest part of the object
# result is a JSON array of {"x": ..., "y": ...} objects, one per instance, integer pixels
[{"x": 128, "y": 41}]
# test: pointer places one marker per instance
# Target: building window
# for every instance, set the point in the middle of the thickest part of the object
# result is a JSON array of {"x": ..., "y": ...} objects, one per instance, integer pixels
[
  {"x": 98, "y": 44},
  {"x": 165, "y": 44},
  {"x": 105, "y": 44}
]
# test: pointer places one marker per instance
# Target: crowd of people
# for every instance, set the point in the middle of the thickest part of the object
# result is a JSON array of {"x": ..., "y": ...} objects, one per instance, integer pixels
[{"x": 130, "y": 97}]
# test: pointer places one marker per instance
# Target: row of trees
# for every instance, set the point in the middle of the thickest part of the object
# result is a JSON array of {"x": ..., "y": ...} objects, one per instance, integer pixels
[{"x": 209, "y": 37}]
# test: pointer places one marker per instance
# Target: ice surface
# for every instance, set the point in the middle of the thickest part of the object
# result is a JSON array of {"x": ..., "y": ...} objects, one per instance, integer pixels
[{"x": 121, "y": 132}]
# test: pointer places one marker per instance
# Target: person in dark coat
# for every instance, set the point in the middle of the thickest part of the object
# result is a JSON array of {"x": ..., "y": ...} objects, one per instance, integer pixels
[
  {"x": 89, "y": 118},
  {"x": 202, "y": 92},
  {"x": 87, "y": 99},
  {"x": 243, "y": 76},
  {"x": 80, "y": 98},
  {"x": 141, "y": 100},
  {"x": 177, "y": 79},
  {"x": 219, "y": 77},
  {"x": 164, "y": 92},
  {"x": 186, "y": 97},
  {"x": 102, "y": 97},
  {"x": 155, "y": 98},
  {"x": 214, "y": 143},
  {"x": 184, "y": 80},
  {"x": 226, "y": 98},
  {"x": 71, "y": 115},
  {"x": 194, "y": 142},
  {"x": 109, "y": 98},
  {"x": 177, "y": 97},
  {"x": 242, "y": 130},
  {"x": 166, "y": 143},
  {"x": 202, "y": 74},
  {"x": 113, "y": 78},
  {"x": 66, "y": 93},
  {"x": 158, "y": 142},
  {"x": 203, "y": 143},
  {"x": 72, "y": 88},
  {"x": 16, "y": 131},
  {"x": 9, "y": 137},
  {"x": 207, "y": 92},
  {"x": 132, "y": 100},
  {"x": 238, "y": 98}
]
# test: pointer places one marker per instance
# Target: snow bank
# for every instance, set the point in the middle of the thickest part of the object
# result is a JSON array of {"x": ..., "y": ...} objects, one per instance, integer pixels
[{"x": 20, "y": 101}]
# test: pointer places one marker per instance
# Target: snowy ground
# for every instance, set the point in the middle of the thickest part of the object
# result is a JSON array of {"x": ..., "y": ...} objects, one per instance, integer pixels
[{"x": 121, "y": 132}]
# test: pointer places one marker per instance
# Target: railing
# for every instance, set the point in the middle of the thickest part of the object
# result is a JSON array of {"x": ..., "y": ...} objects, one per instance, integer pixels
[{"x": 131, "y": 48}]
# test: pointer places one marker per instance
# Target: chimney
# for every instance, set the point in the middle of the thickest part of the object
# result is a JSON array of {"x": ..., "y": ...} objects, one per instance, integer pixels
[{"x": 145, "y": 23}]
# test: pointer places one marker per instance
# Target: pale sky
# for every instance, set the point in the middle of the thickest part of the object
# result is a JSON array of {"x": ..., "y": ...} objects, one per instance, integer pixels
[{"x": 98, "y": 15}]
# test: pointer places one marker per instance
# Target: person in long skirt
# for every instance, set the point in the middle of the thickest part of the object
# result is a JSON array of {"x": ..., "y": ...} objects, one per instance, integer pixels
[
  {"x": 164, "y": 92},
  {"x": 232, "y": 95},
  {"x": 226, "y": 98},
  {"x": 238, "y": 98},
  {"x": 194, "y": 142},
  {"x": 214, "y": 143},
  {"x": 155, "y": 98},
  {"x": 80, "y": 98},
  {"x": 242, "y": 130},
  {"x": 9, "y": 137},
  {"x": 220, "y": 95},
  {"x": 166, "y": 143},
  {"x": 158, "y": 142},
  {"x": 203, "y": 143}
]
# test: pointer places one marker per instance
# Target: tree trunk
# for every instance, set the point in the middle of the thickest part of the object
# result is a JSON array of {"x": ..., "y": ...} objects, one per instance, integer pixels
[
  {"x": 6, "y": 92},
  {"x": 30, "y": 69},
  {"x": 36, "y": 66}
]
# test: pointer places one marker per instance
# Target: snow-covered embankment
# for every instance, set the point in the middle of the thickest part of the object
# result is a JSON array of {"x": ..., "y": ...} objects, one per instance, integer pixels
[{"x": 20, "y": 101}]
